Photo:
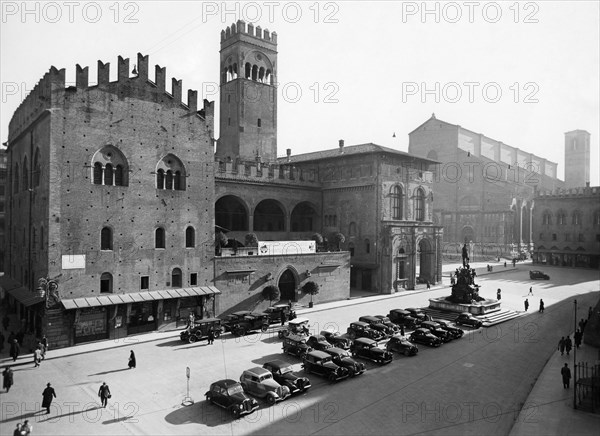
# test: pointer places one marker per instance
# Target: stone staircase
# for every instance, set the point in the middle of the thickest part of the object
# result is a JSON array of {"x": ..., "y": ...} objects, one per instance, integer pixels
[{"x": 489, "y": 319}]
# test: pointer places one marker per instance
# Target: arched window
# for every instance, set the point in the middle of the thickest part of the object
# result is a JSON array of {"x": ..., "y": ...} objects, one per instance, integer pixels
[
  {"x": 561, "y": 218},
  {"x": 160, "y": 179},
  {"x": 170, "y": 174},
  {"x": 159, "y": 238},
  {"x": 247, "y": 73},
  {"x": 576, "y": 218},
  {"x": 106, "y": 239},
  {"x": 177, "y": 181},
  {"x": 190, "y": 237},
  {"x": 109, "y": 167},
  {"x": 351, "y": 248},
  {"x": 16, "y": 179},
  {"x": 108, "y": 175},
  {"x": 352, "y": 229},
  {"x": 36, "y": 169},
  {"x": 169, "y": 184},
  {"x": 176, "y": 278},
  {"x": 547, "y": 218},
  {"x": 420, "y": 205},
  {"x": 106, "y": 283},
  {"x": 25, "y": 175},
  {"x": 396, "y": 196},
  {"x": 367, "y": 246}
]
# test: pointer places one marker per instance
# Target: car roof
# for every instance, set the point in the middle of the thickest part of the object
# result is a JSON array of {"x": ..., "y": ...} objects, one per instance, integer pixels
[
  {"x": 298, "y": 321},
  {"x": 240, "y": 312},
  {"x": 466, "y": 314},
  {"x": 319, "y": 354},
  {"x": 364, "y": 341},
  {"x": 416, "y": 309},
  {"x": 370, "y": 318},
  {"x": 336, "y": 350},
  {"x": 422, "y": 330},
  {"x": 206, "y": 320},
  {"x": 277, "y": 364},
  {"x": 280, "y": 305},
  {"x": 403, "y": 311},
  {"x": 297, "y": 338},
  {"x": 257, "y": 370},
  {"x": 319, "y": 337},
  {"x": 361, "y": 323},
  {"x": 226, "y": 383}
]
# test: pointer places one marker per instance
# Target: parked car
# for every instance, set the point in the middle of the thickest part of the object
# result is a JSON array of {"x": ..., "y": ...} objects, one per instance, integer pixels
[
  {"x": 318, "y": 342},
  {"x": 360, "y": 329},
  {"x": 230, "y": 395},
  {"x": 435, "y": 328},
  {"x": 298, "y": 326},
  {"x": 535, "y": 275},
  {"x": 250, "y": 322},
  {"x": 376, "y": 324},
  {"x": 417, "y": 313},
  {"x": 276, "y": 311},
  {"x": 466, "y": 318},
  {"x": 337, "y": 340},
  {"x": 284, "y": 374},
  {"x": 259, "y": 382},
  {"x": 424, "y": 336},
  {"x": 200, "y": 330},
  {"x": 403, "y": 317},
  {"x": 401, "y": 345},
  {"x": 321, "y": 363},
  {"x": 454, "y": 331},
  {"x": 343, "y": 358},
  {"x": 369, "y": 349},
  {"x": 387, "y": 322},
  {"x": 232, "y": 318},
  {"x": 296, "y": 345}
]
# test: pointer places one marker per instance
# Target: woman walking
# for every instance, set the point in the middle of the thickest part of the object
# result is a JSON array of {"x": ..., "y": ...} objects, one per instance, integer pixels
[{"x": 132, "y": 361}]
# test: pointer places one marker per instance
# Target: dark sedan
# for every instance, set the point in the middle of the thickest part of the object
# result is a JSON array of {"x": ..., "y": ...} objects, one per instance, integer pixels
[
  {"x": 467, "y": 319},
  {"x": 401, "y": 345},
  {"x": 285, "y": 376},
  {"x": 369, "y": 349},
  {"x": 424, "y": 336}
]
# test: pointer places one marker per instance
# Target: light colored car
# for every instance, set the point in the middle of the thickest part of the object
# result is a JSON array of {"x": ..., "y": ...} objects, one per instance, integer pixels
[{"x": 259, "y": 382}]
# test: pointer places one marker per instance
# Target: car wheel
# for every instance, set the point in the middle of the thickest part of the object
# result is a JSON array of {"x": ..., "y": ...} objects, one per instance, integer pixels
[
  {"x": 264, "y": 328},
  {"x": 352, "y": 372},
  {"x": 407, "y": 352},
  {"x": 236, "y": 413},
  {"x": 332, "y": 378},
  {"x": 192, "y": 339},
  {"x": 280, "y": 334},
  {"x": 217, "y": 334},
  {"x": 271, "y": 399}
]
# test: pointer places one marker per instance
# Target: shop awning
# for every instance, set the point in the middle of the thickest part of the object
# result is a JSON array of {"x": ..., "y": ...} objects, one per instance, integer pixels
[
  {"x": 240, "y": 271},
  {"x": 25, "y": 296},
  {"x": 135, "y": 297}
]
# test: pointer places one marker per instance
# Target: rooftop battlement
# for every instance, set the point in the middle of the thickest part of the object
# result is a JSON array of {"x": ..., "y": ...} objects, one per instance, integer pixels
[
  {"x": 50, "y": 90},
  {"x": 257, "y": 172},
  {"x": 239, "y": 28},
  {"x": 570, "y": 192}
]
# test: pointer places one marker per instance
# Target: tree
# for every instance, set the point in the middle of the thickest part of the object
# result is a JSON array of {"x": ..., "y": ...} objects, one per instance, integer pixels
[
  {"x": 318, "y": 238},
  {"x": 338, "y": 239},
  {"x": 271, "y": 293},
  {"x": 310, "y": 288},
  {"x": 251, "y": 240},
  {"x": 220, "y": 242}
]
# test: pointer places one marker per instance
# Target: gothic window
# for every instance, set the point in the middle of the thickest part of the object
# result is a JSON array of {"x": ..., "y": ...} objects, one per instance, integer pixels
[
  {"x": 25, "y": 175},
  {"x": 110, "y": 167},
  {"x": 420, "y": 205},
  {"x": 108, "y": 175},
  {"x": 396, "y": 202},
  {"x": 159, "y": 238},
  {"x": 170, "y": 174},
  {"x": 190, "y": 237},
  {"x": 106, "y": 283},
  {"x": 547, "y": 218},
  {"x": 106, "y": 239},
  {"x": 119, "y": 175},
  {"x": 97, "y": 173},
  {"x": 160, "y": 179},
  {"x": 36, "y": 169},
  {"x": 561, "y": 219},
  {"x": 576, "y": 218}
]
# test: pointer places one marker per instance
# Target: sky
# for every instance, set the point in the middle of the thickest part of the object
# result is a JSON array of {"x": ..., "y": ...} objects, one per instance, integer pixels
[{"x": 523, "y": 73}]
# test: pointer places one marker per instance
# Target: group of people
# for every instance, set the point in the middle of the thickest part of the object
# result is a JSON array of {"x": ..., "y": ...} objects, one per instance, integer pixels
[
  {"x": 526, "y": 303},
  {"x": 24, "y": 429}
]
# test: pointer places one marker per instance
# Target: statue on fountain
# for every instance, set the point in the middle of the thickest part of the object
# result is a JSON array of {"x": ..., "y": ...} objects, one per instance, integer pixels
[
  {"x": 465, "y": 256},
  {"x": 465, "y": 291}
]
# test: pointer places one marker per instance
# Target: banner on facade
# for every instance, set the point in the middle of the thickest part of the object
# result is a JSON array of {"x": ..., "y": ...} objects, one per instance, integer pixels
[{"x": 286, "y": 248}]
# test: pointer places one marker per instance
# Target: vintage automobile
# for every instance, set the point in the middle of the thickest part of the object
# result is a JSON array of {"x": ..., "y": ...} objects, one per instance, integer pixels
[
  {"x": 403, "y": 317},
  {"x": 259, "y": 382},
  {"x": 230, "y": 395},
  {"x": 417, "y": 313},
  {"x": 285, "y": 376},
  {"x": 200, "y": 330},
  {"x": 321, "y": 363},
  {"x": 376, "y": 324},
  {"x": 336, "y": 339},
  {"x": 232, "y": 318},
  {"x": 401, "y": 345},
  {"x": 360, "y": 329},
  {"x": 387, "y": 322},
  {"x": 369, "y": 349},
  {"x": 454, "y": 331},
  {"x": 296, "y": 345},
  {"x": 250, "y": 322},
  {"x": 436, "y": 329},
  {"x": 343, "y": 358},
  {"x": 424, "y": 336},
  {"x": 298, "y": 326},
  {"x": 318, "y": 342},
  {"x": 538, "y": 275},
  {"x": 466, "y": 318},
  {"x": 276, "y": 311}
]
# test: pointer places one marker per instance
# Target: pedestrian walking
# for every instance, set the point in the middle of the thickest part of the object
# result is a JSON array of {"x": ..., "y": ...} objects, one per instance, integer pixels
[
  {"x": 20, "y": 337},
  {"x": 582, "y": 324},
  {"x": 589, "y": 314},
  {"x": 26, "y": 428},
  {"x": 504, "y": 264},
  {"x": 561, "y": 345},
  {"x": 566, "y": 376},
  {"x": 6, "y": 321},
  {"x": 568, "y": 345},
  {"x": 283, "y": 318},
  {"x": 526, "y": 303},
  {"x": 541, "y": 305},
  {"x": 44, "y": 342},
  {"x": 7, "y": 378},
  {"x": 499, "y": 294},
  {"x": 428, "y": 285},
  {"x": 47, "y": 397},
  {"x": 132, "y": 361},
  {"x": 577, "y": 337},
  {"x": 104, "y": 394},
  {"x": 37, "y": 357},
  {"x": 211, "y": 336},
  {"x": 14, "y": 349},
  {"x": 17, "y": 431},
  {"x": 530, "y": 290}
]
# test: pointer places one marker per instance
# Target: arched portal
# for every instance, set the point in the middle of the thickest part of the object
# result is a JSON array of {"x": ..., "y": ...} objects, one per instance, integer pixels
[
  {"x": 231, "y": 214},
  {"x": 287, "y": 285},
  {"x": 425, "y": 259},
  {"x": 304, "y": 218},
  {"x": 468, "y": 234},
  {"x": 269, "y": 217}
]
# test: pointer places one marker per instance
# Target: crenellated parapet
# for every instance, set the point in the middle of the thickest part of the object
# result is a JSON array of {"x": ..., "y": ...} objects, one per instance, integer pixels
[
  {"x": 570, "y": 192},
  {"x": 239, "y": 29},
  {"x": 256, "y": 172},
  {"x": 50, "y": 90}
]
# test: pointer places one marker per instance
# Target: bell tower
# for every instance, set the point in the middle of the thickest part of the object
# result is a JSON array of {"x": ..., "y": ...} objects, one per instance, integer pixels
[
  {"x": 577, "y": 158},
  {"x": 248, "y": 109}
]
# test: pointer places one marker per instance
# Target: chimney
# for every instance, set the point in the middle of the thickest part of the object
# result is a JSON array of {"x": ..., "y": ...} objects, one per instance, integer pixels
[
  {"x": 341, "y": 145},
  {"x": 288, "y": 152}
]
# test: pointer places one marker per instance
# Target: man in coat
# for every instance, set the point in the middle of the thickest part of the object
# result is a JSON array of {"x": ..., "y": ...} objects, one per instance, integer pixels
[
  {"x": 541, "y": 305},
  {"x": 104, "y": 394},
  {"x": 47, "y": 397},
  {"x": 561, "y": 345},
  {"x": 526, "y": 303},
  {"x": 566, "y": 376},
  {"x": 7, "y": 378},
  {"x": 568, "y": 344},
  {"x": 578, "y": 336},
  {"x": 14, "y": 349}
]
